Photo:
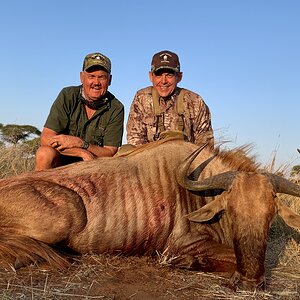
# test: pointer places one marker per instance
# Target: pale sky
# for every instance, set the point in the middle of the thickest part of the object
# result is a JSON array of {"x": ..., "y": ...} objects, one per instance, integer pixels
[{"x": 242, "y": 57}]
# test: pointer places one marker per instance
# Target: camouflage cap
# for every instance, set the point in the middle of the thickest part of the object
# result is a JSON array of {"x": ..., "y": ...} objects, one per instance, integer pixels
[
  {"x": 165, "y": 60},
  {"x": 96, "y": 59}
]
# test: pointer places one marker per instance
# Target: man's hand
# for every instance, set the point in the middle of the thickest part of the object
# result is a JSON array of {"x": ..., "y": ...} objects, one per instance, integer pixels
[
  {"x": 78, "y": 152},
  {"x": 70, "y": 146},
  {"x": 86, "y": 155},
  {"x": 62, "y": 142}
]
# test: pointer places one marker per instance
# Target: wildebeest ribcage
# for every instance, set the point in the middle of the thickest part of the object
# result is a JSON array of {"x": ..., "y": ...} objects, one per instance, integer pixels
[{"x": 204, "y": 209}]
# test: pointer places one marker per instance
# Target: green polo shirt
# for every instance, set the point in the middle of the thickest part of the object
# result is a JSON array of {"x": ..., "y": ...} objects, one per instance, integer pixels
[{"x": 67, "y": 116}]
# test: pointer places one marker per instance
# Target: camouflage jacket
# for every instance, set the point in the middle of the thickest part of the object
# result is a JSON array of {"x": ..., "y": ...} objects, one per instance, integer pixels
[{"x": 142, "y": 124}]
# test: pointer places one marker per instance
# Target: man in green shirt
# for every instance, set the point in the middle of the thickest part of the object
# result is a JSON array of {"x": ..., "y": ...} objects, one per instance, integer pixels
[{"x": 85, "y": 122}]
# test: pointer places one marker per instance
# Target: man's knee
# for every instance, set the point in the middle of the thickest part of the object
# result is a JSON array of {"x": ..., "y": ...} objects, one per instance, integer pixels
[{"x": 45, "y": 158}]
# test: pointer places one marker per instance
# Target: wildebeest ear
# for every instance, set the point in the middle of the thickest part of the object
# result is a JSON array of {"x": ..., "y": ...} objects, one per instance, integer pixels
[
  {"x": 289, "y": 217},
  {"x": 208, "y": 211}
]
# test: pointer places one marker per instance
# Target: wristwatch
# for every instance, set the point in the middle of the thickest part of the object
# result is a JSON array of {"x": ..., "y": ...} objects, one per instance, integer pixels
[{"x": 85, "y": 145}]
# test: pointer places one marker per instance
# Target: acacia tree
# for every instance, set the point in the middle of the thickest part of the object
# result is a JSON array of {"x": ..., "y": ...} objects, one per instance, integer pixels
[
  {"x": 1, "y": 142},
  {"x": 19, "y": 145},
  {"x": 295, "y": 170},
  {"x": 13, "y": 133}
]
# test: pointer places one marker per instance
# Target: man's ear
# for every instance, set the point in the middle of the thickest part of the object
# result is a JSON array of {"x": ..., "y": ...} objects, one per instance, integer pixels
[
  {"x": 179, "y": 76},
  {"x": 151, "y": 76},
  {"x": 110, "y": 79},
  {"x": 81, "y": 76}
]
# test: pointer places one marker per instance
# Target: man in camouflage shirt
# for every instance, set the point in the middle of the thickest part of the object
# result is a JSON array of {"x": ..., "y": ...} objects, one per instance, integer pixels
[{"x": 151, "y": 119}]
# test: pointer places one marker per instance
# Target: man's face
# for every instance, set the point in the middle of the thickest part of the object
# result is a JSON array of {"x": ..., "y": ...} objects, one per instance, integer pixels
[
  {"x": 95, "y": 83},
  {"x": 165, "y": 81}
]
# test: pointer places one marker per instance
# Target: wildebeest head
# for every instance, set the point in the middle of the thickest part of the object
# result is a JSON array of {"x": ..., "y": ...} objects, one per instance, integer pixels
[{"x": 250, "y": 203}]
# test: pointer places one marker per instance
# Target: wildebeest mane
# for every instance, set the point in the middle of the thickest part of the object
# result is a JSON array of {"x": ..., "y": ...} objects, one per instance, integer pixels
[{"x": 239, "y": 158}]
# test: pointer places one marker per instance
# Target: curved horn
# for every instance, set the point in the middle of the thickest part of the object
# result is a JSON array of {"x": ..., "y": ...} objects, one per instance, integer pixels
[
  {"x": 220, "y": 181},
  {"x": 282, "y": 185}
]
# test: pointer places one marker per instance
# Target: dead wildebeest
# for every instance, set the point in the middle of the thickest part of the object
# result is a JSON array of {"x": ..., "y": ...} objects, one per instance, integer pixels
[{"x": 204, "y": 209}]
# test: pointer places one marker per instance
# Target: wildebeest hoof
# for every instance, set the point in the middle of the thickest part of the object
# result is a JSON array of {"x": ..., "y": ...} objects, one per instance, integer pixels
[
  {"x": 20, "y": 263},
  {"x": 239, "y": 281}
]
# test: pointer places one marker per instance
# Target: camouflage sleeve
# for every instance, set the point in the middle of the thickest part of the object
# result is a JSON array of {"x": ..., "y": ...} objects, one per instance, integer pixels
[
  {"x": 202, "y": 128},
  {"x": 136, "y": 129}
]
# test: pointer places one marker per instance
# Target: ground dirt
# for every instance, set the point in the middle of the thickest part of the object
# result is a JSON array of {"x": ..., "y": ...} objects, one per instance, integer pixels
[{"x": 106, "y": 277}]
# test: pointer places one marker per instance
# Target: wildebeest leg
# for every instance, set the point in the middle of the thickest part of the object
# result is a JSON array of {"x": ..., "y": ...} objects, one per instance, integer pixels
[
  {"x": 40, "y": 211},
  {"x": 204, "y": 255}
]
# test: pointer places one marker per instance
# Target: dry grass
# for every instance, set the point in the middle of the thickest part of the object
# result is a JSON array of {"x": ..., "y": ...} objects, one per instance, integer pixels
[
  {"x": 116, "y": 277},
  {"x": 15, "y": 160},
  {"x": 113, "y": 277}
]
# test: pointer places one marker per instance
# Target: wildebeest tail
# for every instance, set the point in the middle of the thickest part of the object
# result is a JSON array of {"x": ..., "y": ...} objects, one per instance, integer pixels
[{"x": 18, "y": 251}]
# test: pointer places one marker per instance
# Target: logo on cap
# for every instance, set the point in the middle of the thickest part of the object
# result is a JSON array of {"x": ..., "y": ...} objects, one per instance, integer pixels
[
  {"x": 165, "y": 60},
  {"x": 165, "y": 57},
  {"x": 96, "y": 59}
]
